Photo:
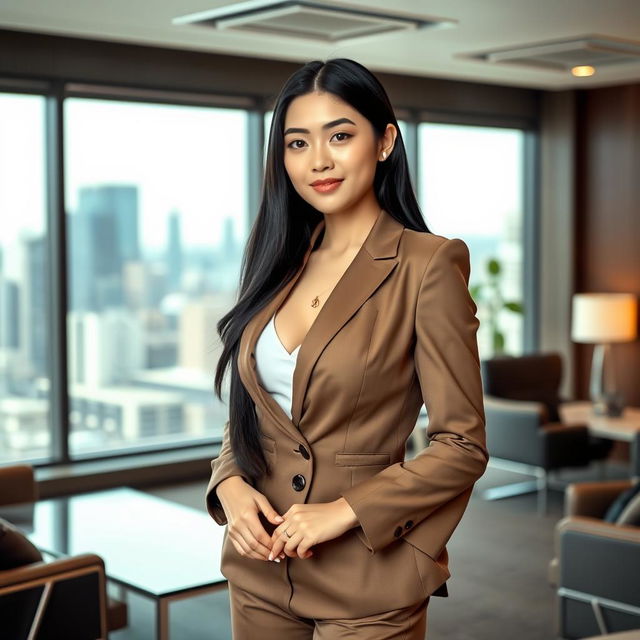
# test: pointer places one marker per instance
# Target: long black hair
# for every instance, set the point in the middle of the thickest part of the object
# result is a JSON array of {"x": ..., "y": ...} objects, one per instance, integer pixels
[{"x": 282, "y": 229}]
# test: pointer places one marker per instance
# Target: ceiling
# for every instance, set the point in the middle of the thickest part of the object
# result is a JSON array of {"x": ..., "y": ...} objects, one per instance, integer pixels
[{"x": 480, "y": 25}]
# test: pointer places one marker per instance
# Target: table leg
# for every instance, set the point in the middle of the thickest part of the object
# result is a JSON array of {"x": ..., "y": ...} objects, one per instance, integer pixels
[{"x": 162, "y": 619}]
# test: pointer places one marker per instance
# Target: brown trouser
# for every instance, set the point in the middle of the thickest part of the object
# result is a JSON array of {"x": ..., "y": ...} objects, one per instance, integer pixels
[{"x": 252, "y": 617}]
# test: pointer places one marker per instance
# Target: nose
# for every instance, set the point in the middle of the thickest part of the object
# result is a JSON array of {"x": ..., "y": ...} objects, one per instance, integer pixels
[{"x": 321, "y": 158}]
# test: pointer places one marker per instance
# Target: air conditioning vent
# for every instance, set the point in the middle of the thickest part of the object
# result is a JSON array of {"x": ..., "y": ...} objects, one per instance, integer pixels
[
  {"x": 562, "y": 55},
  {"x": 326, "y": 21}
]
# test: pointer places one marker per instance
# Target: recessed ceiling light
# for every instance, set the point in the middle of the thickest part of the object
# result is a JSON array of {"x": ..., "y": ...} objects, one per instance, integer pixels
[{"x": 582, "y": 71}]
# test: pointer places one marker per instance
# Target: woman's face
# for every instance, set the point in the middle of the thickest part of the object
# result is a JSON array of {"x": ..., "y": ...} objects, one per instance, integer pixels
[{"x": 346, "y": 149}]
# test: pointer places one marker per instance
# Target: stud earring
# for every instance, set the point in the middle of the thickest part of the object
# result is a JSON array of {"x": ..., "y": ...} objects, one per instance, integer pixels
[{"x": 384, "y": 155}]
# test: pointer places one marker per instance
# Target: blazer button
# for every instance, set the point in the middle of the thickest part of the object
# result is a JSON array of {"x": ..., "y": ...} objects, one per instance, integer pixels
[
  {"x": 298, "y": 482},
  {"x": 397, "y": 532},
  {"x": 302, "y": 450},
  {"x": 408, "y": 524}
]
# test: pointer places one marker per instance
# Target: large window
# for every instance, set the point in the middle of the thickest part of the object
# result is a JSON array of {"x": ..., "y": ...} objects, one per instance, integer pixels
[
  {"x": 25, "y": 430},
  {"x": 471, "y": 186},
  {"x": 157, "y": 198},
  {"x": 156, "y": 216}
]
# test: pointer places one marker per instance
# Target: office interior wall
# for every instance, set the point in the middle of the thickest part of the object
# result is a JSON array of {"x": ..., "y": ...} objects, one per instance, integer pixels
[
  {"x": 607, "y": 221},
  {"x": 556, "y": 227},
  {"x": 51, "y": 57}
]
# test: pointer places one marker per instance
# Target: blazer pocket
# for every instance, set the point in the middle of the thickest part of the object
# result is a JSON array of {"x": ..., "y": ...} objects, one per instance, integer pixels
[
  {"x": 344, "y": 459},
  {"x": 362, "y": 465}
]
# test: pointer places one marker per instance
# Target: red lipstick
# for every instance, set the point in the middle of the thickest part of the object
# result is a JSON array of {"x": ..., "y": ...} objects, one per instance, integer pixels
[{"x": 327, "y": 185}]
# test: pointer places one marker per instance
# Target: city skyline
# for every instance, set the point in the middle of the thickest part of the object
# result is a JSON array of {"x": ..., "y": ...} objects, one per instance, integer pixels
[
  {"x": 185, "y": 158},
  {"x": 154, "y": 253}
]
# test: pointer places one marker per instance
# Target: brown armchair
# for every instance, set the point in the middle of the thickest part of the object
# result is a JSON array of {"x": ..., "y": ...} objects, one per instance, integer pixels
[
  {"x": 64, "y": 598},
  {"x": 524, "y": 430},
  {"x": 44, "y": 598},
  {"x": 596, "y": 568}
]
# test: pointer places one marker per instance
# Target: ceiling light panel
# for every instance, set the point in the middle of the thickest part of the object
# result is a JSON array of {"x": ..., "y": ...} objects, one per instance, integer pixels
[
  {"x": 325, "y": 21},
  {"x": 563, "y": 55}
]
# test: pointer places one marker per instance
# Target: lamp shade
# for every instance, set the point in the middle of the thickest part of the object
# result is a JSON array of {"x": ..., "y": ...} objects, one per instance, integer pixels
[{"x": 603, "y": 317}]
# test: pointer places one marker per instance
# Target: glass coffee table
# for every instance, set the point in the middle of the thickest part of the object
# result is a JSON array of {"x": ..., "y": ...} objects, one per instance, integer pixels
[{"x": 159, "y": 549}]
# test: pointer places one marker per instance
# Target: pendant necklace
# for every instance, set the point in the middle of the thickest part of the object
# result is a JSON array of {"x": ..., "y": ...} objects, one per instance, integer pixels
[{"x": 315, "y": 302}]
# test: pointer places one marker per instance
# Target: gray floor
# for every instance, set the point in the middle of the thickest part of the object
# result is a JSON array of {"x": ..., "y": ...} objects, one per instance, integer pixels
[{"x": 498, "y": 589}]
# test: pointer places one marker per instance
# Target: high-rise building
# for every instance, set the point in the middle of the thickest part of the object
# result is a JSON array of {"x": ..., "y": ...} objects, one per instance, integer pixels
[
  {"x": 103, "y": 237},
  {"x": 174, "y": 252},
  {"x": 34, "y": 304},
  {"x": 9, "y": 314},
  {"x": 104, "y": 348}
]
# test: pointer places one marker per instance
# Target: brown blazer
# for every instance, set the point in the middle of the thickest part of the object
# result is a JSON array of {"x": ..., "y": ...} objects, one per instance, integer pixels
[{"x": 399, "y": 329}]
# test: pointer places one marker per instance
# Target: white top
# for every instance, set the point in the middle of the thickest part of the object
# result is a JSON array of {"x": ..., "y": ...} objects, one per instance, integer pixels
[{"x": 275, "y": 366}]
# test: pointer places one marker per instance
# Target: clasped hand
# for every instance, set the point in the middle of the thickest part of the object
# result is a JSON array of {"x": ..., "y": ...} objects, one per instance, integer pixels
[{"x": 309, "y": 524}]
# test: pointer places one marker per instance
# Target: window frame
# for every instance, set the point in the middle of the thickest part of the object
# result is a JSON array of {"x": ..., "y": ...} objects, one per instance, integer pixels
[
  {"x": 56, "y": 91},
  {"x": 530, "y": 203}
]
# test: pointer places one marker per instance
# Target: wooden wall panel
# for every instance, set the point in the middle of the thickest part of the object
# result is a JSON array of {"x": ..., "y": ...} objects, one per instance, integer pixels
[{"x": 607, "y": 221}]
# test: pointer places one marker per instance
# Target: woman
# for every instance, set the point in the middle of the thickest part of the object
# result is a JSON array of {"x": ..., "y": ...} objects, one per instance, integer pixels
[{"x": 350, "y": 316}]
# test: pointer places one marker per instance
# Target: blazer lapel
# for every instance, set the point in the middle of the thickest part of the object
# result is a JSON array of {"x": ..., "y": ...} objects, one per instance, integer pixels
[
  {"x": 246, "y": 356},
  {"x": 366, "y": 272}
]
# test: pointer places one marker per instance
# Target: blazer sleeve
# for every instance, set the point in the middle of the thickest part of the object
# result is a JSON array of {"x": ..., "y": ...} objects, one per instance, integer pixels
[
  {"x": 448, "y": 371},
  {"x": 222, "y": 467}
]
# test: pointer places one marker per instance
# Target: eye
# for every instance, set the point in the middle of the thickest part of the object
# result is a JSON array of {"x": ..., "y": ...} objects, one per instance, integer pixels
[{"x": 339, "y": 133}]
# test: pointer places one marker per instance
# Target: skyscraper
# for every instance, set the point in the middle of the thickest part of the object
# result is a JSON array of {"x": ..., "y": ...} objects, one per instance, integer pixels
[
  {"x": 103, "y": 237},
  {"x": 174, "y": 252}
]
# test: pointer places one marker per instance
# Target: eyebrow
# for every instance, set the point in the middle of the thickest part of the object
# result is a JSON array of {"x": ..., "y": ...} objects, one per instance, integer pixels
[{"x": 333, "y": 123}]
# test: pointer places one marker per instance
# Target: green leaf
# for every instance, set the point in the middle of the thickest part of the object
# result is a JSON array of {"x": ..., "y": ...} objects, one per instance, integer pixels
[
  {"x": 514, "y": 306},
  {"x": 493, "y": 267}
]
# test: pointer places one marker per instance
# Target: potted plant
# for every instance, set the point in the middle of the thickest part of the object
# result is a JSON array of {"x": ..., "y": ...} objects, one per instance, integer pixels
[{"x": 488, "y": 294}]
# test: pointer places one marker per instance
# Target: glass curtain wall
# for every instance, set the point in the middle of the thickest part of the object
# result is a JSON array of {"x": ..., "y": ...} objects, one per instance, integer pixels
[
  {"x": 25, "y": 417},
  {"x": 157, "y": 217},
  {"x": 156, "y": 200},
  {"x": 471, "y": 186}
]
